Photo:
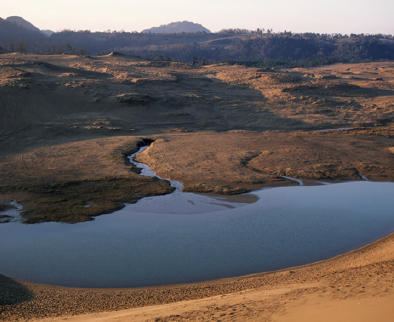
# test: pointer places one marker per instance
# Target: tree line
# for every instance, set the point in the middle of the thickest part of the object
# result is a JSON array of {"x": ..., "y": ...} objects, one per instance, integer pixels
[{"x": 261, "y": 47}]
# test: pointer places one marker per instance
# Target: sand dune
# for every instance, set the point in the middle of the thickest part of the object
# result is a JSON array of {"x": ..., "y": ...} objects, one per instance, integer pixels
[{"x": 69, "y": 121}]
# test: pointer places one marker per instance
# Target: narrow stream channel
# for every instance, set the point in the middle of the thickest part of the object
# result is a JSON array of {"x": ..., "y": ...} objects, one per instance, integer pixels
[
  {"x": 147, "y": 170},
  {"x": 180, "y": 202}
]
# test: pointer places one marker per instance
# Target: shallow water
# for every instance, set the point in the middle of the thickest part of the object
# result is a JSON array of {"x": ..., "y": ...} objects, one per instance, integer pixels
[
  {"x": 337, "y": 129},
  {"x": 13, "y": 213},
  {"x": 286, "y": 227}
]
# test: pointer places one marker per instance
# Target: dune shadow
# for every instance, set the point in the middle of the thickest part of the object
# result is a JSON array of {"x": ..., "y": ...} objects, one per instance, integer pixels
[{"x": 13, "y": 292}]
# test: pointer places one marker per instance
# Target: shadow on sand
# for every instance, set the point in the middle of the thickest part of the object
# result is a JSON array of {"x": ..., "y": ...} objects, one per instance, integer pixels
[{"x": 12, "y": 292}]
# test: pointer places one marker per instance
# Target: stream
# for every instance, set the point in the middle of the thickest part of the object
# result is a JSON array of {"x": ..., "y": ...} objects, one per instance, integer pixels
[{"x": 180, "y": 202}]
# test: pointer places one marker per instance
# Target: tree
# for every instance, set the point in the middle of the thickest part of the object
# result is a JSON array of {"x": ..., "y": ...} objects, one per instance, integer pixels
[
  {"x": 22, "y": 46},
  {"x": 68, "y": 48},
  {"x": 195, "y": 61},
  {"x": 9, "y": 46},
  {"x": 37, "y": 47}
]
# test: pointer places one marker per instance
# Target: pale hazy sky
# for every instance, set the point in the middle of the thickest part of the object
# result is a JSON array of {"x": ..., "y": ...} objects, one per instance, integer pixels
[{"x": 335, "y": 16}]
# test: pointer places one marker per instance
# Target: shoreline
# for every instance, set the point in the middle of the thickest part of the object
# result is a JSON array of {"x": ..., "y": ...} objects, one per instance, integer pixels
[
  {"x": 356, "y": 265},
  {"x": 277, "y": 256}
]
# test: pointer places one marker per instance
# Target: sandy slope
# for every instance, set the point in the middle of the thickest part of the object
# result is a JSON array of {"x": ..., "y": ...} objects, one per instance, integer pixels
[
  {"x": 184, "y": 309},
  {"x": 308, "y": 308}
]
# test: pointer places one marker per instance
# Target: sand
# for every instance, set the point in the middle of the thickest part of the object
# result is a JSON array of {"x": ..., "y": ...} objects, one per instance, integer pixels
[
  {"x": 318, "y": 309},
  {"x": 224, "y": 129}
]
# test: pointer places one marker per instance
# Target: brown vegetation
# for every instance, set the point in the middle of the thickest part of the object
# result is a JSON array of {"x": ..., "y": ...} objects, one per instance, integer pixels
[
  {"x": 234, "y": 161},
  {"x": 63, "y": 118},
  {"x": 74, "y": 182}
]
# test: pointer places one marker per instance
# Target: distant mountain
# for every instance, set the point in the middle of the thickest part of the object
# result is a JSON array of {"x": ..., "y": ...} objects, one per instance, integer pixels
[
  {"x": 11, "y": 32},
  {"x": 47, "y": 32},
  {"x": 22, "y": 23},
  {"x": 177, "y": 27},
  {"x": 19, "y": 21}
]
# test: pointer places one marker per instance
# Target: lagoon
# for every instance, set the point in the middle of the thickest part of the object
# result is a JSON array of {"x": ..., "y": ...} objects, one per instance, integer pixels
[{"x": 154, "y": 242}]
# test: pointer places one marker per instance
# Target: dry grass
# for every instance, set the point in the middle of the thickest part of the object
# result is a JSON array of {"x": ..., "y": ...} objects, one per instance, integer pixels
[
  {"x": 81, "y": 200},
  {"x": 230, "y": 162},
  {"x": 76, "y": 181}
]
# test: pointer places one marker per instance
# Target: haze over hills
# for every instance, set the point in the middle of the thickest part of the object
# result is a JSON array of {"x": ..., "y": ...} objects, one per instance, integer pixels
[{"x": 177, "y": 27}]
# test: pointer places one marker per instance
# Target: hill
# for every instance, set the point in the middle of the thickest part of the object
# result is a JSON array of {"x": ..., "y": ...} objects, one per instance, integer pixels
[
  {"x": 47, "y": 32},
  {"x": 14, "y": 37},
  {"x": 22, "y": 23},
  {"x": 177, "y": 27},
  {"x": 27, "y": 25},
  {"x": 190, "y": 42}
]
